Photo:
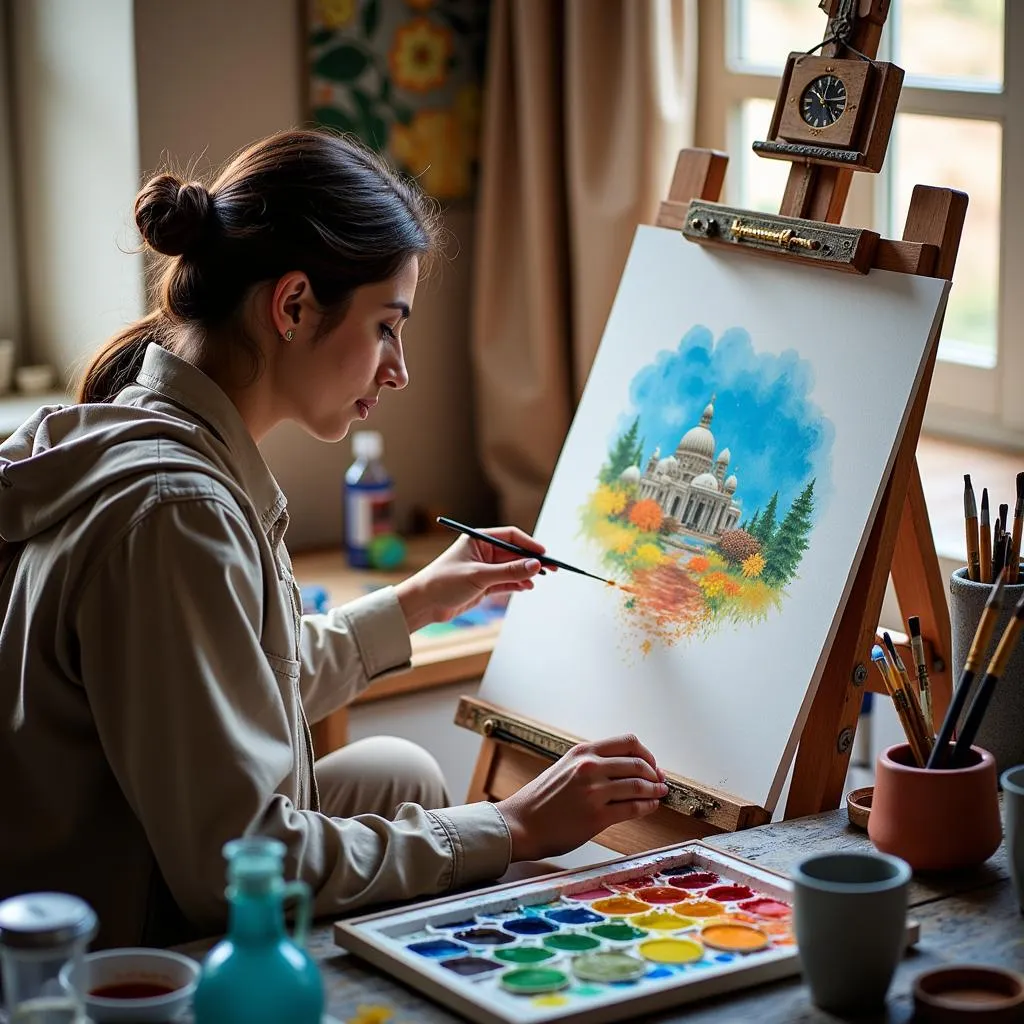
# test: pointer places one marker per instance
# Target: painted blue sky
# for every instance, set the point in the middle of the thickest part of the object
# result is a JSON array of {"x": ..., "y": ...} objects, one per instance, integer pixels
[{"x": 764, "y": 415}]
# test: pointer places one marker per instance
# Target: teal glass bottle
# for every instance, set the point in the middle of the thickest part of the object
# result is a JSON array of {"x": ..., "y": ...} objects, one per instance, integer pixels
[{"x": 258, "y": 974}]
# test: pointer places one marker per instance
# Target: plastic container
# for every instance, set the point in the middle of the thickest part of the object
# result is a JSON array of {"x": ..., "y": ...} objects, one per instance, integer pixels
[
  {"x": 369, "y": 498},
  {"x": 258, "y": 974}
]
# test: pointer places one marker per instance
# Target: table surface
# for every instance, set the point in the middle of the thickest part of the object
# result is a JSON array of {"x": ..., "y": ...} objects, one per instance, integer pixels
[{"x": 970, "y": 917}]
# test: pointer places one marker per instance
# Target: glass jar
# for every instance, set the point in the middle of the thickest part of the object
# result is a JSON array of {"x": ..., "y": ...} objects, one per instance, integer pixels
[{"x": 39, "y": 933}]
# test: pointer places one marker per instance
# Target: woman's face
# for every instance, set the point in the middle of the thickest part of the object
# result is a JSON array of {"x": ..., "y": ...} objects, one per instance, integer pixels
[{"x": 330, "y": 382}]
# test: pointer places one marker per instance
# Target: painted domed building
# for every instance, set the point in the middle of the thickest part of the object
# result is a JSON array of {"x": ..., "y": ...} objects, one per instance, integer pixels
[{"x": 691, "y": 485}]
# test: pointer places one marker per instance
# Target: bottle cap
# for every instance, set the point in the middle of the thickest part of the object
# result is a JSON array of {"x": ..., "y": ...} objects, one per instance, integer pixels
[
  {"x": 367, "y": 444},
  {"x": 42, "y": 920},
  {"x": 255, "y": 862}
]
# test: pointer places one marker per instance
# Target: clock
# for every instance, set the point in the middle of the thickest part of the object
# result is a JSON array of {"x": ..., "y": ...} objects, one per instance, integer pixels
[
  {"x": 833, "y": 110},
  {"x": 823, "y": 101}
]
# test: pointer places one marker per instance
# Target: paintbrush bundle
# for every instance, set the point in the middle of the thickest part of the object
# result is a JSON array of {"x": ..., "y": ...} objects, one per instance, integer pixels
[{"x": 991, "y": 547}]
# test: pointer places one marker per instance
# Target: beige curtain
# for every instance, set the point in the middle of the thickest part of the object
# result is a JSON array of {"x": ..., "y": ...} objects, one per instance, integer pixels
[{"x": 587, "y": 104}]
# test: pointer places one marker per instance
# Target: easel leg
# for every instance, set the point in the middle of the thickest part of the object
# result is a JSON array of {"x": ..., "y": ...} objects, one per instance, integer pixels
[
  {"x": 479, "y": 788},
  {"x": 920, "y": 589}
]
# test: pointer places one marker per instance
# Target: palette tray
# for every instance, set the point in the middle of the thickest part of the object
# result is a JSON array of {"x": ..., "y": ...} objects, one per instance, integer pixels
[{"x": 599, "y": 944}]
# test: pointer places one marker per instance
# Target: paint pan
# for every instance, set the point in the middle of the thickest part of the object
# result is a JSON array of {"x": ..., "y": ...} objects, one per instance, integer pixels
[
  {"x": 700, "y": 908},
  {"x": 484, "y": 937},
  {"x": 608, "y": 967},
  {"x": 529, "y": 926},
  {"x": 470, "y": 966},
  {"x": 534, "y": 980},
  {"x": 671, "y": 951},
  {"x": 437, "y": 949},
  {"x": 765, "y": 907},
  {"x": 572, "y": 942},
  {"x": 662, "y": 921},
  {"x": 574, "y": 916},
  {"x": 694, "y": 880},
  {"x": 523, "y": 955},
  {"x": 621, "y": 906},
  {"x": 662, "y": 894},
  {"x": 618, "y": 931},
  {"x": 734, "y": 938}
]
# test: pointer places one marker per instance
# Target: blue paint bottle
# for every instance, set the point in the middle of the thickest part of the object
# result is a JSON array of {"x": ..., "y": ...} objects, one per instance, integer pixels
[
  {"x": 258, "y": 974},
  {"x": 369, "y": 498}
]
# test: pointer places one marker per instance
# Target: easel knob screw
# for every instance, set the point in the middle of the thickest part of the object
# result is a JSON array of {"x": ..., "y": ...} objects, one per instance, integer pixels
[
  {"x": 845, "y": 740},
  {"x": 860, "y": 674}
]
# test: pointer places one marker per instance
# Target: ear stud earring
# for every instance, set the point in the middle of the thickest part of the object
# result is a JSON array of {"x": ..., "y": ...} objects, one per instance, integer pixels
[{"x": 289, "y": 334}]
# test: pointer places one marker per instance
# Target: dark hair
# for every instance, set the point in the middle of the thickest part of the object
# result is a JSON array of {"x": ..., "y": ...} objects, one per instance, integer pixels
[{"x": 299, "y": 200}]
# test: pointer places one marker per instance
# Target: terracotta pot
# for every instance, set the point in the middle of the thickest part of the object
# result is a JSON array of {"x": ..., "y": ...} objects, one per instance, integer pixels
[{"x": 937, "y": 820}]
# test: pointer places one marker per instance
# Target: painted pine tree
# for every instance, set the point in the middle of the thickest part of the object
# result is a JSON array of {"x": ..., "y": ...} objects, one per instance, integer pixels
[
  {"x": 622, "y": 455},
  {"x": 787, "y": 547},
  {"x": 766, "y": 525}
]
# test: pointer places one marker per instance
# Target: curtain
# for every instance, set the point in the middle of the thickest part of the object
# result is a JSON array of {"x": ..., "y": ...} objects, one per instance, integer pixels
[{"x": 587, "y": 103}]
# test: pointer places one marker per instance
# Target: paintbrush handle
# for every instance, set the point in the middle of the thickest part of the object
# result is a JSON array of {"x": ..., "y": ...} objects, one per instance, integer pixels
[
  {"x": 941, "y": 748},
  {"x": 507, "y": 545},
  {"x": 972, "y": 720}
]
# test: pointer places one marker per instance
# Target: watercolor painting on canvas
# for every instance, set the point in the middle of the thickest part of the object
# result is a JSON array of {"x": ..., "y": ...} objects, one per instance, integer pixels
[
  {"x": 692, "y": 546},
  {"x": 723, "y": 467}
]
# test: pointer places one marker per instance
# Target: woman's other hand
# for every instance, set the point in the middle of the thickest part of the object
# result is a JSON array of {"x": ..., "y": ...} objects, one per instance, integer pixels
[
  {"x": 593, "y": 786},
  {"x": 466, "y": 573}
]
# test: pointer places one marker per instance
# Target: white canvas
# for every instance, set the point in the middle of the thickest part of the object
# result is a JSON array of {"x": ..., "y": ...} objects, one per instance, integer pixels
[{"x": 809, "y": 375}]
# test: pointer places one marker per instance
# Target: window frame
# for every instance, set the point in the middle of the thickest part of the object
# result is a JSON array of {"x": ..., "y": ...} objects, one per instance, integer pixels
[
  {"x": 10, "y": 302},
  {"x": 968, "y": 402}
]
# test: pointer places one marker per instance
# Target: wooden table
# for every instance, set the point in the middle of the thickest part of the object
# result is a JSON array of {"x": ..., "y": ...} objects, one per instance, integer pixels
[
  {"x": 436, "y": 661},
  {"x": 968, "y": 917}
]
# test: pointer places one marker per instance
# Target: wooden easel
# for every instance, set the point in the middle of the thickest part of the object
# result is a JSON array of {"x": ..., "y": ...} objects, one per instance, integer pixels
[{"x": 515, "y": 750}]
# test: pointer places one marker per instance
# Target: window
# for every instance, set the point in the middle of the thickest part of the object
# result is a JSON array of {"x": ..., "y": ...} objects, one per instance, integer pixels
[
  {"x": 959, "y": 124},
  {"x": 9, "y": 313}
]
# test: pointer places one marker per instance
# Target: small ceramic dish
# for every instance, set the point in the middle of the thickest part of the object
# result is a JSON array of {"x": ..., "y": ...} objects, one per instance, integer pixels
[
  {"x": 858, "y": 806},
  {"x": 968, "y": 992},
  {"x": 134, "y": 971}
]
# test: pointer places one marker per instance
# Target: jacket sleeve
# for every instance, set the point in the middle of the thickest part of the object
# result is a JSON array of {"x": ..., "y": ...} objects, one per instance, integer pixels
[
  {"x": 195, "y": 726},
  {"x": 343, "y": 651}
]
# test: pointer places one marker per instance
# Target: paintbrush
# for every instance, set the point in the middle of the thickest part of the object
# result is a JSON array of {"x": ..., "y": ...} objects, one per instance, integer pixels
[
  {"x": 1018, "y": 522},
  {"x": 899, "y": 702},
  {"x": 506, "y": 545},
  {"x": 917, "y": 718},
  {"x": 971, "y": 524},
  {"x": 979, "y": 645},
  {"x": 996, "y": 667},
  {"x": 924, "y": 684},
  {"x": 985, "y": 529}
]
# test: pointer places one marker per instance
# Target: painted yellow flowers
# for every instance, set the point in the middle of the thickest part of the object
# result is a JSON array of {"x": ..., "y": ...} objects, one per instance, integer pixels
[
  {"x": 336, "y": 13},
  {"x": 420, "y": 54}
]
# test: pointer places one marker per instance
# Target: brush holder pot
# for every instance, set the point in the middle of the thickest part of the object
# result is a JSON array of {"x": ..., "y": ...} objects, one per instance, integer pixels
[
  {"x": 1002, "y": 728},
  {"x": 938, "y": 819}
]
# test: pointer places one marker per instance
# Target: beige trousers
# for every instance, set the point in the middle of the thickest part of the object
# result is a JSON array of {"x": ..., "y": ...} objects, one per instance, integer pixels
[{"x": 377, "y": 775}]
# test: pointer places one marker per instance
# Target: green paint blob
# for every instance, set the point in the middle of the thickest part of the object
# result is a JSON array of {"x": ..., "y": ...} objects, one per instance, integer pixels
[
  {"x": 608, "y": 967},
  {"x": 571, "y": 942},
  {"x": 523, "y": 955},
  {"x": 618, "y": 932},
  {"x": 534, "y": 980},
  {"x": 587, "y": 990}
]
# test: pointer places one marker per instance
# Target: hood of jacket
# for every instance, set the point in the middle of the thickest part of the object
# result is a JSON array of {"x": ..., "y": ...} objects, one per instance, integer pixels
[{"x": 64, "y": 456}]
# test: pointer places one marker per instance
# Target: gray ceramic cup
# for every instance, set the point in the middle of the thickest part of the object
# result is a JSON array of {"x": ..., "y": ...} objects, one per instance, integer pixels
[
  {"x": 1012, "y": 781},
  {"x": 1002, "y": 729},
  {"x": 850, "y": 914}
]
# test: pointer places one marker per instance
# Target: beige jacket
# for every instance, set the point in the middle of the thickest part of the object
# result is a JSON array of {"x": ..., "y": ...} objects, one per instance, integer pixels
[{"x": 157, "y": 676}]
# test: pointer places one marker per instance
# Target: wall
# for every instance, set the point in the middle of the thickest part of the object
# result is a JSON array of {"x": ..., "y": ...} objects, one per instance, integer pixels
[
  {"x": 10, "y": 316},
  {"x": 213, "y": 77},
  {"x": 76, "y": 144}
]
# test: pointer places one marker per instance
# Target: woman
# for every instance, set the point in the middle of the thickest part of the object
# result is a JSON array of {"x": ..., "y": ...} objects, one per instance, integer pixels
[{"x": 157, "y": 677}]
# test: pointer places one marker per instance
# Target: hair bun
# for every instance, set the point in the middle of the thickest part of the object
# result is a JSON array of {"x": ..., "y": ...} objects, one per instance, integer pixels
[{"x": 173, "y": 217}]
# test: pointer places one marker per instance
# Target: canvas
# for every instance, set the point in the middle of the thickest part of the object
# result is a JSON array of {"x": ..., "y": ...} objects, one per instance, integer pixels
[{"x": 723, "y": 469}]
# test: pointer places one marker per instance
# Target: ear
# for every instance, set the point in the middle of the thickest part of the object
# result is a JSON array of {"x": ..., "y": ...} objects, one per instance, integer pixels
[{"x": 291, "y": 303}]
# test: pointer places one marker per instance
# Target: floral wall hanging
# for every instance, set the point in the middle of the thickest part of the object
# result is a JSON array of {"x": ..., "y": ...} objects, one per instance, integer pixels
[{"x": 405, "y": 76}]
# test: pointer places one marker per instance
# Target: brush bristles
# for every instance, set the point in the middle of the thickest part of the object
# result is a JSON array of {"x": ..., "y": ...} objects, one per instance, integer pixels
[{"x": 995, "y": 596}]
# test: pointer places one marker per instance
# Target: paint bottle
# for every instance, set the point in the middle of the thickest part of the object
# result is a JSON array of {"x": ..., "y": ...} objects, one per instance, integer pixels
[
  {"x": 369, "y": 498},
  {"x": 258, "y": 973}
]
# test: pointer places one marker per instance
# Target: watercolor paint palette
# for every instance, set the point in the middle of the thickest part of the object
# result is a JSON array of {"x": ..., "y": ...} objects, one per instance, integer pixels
[{"x": 601, "y": 944}]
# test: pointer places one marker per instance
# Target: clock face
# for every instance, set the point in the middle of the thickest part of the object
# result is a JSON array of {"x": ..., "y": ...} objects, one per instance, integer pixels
[{"x": 823, "y": 101}]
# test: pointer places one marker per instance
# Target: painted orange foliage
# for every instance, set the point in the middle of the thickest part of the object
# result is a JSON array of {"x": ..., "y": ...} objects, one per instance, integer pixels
[
  {"x": 698, "y": 564},
  {"x": 646, "y": 515}
]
